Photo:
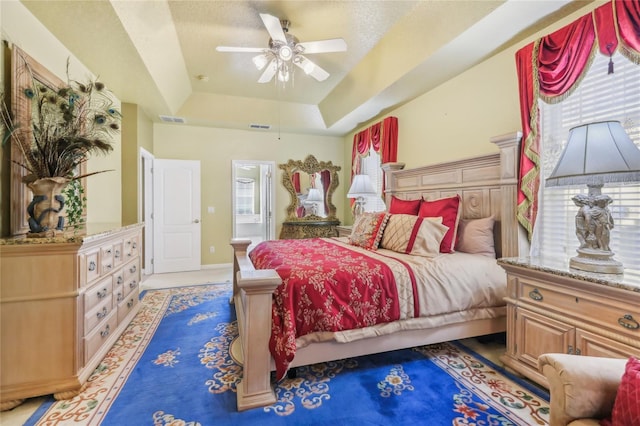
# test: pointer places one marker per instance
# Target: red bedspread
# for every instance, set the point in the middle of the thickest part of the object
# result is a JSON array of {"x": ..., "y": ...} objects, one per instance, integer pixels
[{"x": 326, "y": 287}]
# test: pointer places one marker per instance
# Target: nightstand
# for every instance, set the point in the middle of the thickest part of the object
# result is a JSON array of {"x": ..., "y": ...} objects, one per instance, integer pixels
[
  {"x": 552, "y": 308},
  {"x": 344, "y": 230}
]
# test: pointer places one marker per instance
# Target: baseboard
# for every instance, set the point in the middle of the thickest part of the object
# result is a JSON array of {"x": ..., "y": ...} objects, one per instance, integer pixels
[{"x": 217, "y": 266}]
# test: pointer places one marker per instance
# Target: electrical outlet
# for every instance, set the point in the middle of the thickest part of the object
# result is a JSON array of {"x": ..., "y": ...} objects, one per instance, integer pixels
[{"x": 212, "y": 249}]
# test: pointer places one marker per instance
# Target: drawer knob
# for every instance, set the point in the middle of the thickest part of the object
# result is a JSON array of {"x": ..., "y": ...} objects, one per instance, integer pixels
[
  {"x": 105, "y": 332},
  {"x": 120, "y": 297},
  {"x": 102, "y": 314},
  {"x": 102, "y": 293},
  {"x": 627, "y": 321},
  {"x": 132, "y": 269},
  {"x": 117, "y": 254},
  {"x": 120, "y": 279},
  {"x": 535, "y": 294},
  {"x": 132, "y": 284},
  {"x": 92, "y": 266},
  {"x": 130, "y": 303}
]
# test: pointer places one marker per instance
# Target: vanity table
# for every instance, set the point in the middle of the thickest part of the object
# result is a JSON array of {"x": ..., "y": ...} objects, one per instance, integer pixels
[
  {"x": 64, "y": 302},
  {"x": 552, "y": 308},
  {"x": 310, "y": 213}
]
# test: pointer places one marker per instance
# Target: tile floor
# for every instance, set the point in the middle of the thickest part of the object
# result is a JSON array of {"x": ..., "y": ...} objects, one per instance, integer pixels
[{"x": 491, "y": 349}]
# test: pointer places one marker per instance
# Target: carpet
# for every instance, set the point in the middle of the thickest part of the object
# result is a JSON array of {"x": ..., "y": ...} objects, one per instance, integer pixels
[{"x": 172, "y": 366}]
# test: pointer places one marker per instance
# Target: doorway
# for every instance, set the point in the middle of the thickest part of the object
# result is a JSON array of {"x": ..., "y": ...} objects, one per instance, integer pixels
[{"x": 252, "y": 189}]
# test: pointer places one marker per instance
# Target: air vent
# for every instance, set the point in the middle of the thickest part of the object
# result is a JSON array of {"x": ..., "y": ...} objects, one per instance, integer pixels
[
  {"x": 260, "y": 126},
  {"x": 170, "y": 119}
]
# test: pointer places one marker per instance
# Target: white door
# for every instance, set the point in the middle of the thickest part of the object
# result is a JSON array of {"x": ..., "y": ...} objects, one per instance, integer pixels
[
  {"x": 176, "y": 202},
  {"x": 146, "y": 203}
]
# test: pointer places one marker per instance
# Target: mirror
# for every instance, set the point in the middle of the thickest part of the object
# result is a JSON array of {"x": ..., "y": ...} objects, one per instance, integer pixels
[{"x": 310, "y": 185}]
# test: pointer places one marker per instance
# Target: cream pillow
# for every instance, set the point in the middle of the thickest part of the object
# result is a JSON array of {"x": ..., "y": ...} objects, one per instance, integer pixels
[
  {"x": 476, "y": 236},
  {"x": 415, "y": 235}
]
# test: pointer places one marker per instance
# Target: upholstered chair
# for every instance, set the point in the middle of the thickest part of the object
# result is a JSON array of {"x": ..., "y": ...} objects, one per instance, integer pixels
[{"x": 582, "y": 388}]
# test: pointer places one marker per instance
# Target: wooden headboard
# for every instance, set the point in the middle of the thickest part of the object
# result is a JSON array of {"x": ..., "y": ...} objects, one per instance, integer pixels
[{"x": 486, "y": 185}]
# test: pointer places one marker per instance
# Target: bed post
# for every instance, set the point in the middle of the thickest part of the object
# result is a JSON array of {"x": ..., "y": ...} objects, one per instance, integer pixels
[
  {"x": 252, "y": 295},
  {"x": 509, "y": 144}
]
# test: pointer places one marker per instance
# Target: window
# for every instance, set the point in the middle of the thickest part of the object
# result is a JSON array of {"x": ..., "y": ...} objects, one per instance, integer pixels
[
  {"x": 370, "y": 165},
  {"x": 599, "y": 97}
]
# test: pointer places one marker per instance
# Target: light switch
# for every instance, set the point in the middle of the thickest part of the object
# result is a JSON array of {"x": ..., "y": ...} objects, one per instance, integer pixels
[{"x": 211, "y": 209}]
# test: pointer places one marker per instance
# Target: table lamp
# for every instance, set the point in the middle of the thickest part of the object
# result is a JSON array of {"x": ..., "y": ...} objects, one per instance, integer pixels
[
  {"x": 595, "y": 154},
  {"x": 361, "y": 187}
]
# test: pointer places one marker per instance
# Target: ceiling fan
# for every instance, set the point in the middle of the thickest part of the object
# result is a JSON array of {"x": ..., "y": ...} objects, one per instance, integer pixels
[{"x": 285, "y": 50}]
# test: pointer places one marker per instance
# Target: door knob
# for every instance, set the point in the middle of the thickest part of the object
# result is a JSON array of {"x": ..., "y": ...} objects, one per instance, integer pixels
[{"x": 196, "y": 221}]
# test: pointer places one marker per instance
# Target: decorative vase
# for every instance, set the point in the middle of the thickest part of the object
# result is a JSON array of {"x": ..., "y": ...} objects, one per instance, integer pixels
[{"x": 46, "y": 217}]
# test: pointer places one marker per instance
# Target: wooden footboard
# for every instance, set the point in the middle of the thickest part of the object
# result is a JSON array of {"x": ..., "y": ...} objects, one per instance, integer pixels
[
  {"x": 487, "y": 186},
  {"x": 252, "y": 295}
]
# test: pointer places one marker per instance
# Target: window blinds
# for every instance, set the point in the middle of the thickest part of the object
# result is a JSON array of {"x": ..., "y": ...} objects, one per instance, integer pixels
[{"x": 600, "y": 96}]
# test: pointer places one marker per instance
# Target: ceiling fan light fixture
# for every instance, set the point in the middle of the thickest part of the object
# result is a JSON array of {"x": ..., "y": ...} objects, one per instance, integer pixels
[
  {"x": 308, "y": 67},
  {"x": 285, "y": 53},
  {"x": 260, "y": 61},
  {"x": 283, "y": 73}
]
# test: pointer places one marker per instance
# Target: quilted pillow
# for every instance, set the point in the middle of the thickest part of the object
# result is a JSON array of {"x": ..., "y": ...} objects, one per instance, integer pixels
[
  {"x": 626, "y": 408},
  {"x": 367, "y": 230},
  {"x": 449, "y": 210},
  {"x": 476, "y": 236},
  {"x": 399, "y": 206},
  {"x": 415, "y": 235}
]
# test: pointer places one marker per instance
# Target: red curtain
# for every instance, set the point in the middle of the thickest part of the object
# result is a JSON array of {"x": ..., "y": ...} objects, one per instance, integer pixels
[
  {"x": 552, "y": 67},
  {"x": 383, "y": 137}
]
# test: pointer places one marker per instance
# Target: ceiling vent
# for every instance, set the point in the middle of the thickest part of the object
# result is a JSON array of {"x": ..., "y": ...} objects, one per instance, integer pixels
[
  {"x": 170, "y": 119},
  {"x": 260, "y": 126}
]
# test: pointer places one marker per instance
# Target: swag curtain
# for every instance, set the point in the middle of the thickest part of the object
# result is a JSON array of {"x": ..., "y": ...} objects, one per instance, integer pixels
[
  {"x": 552, "y": 67},
  {"x": 383, "y": 137}
]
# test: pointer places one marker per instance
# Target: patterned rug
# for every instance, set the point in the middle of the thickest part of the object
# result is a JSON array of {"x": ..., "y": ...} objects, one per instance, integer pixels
[{"x": 172, "y": 366}]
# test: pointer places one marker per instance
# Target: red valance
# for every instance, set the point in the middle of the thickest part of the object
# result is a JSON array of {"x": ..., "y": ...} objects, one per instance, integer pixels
[{"x": 552, "y": 67}]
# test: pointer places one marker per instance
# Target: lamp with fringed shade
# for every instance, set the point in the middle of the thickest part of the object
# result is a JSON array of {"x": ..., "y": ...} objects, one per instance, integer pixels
[{"x": 595, "y": 154}]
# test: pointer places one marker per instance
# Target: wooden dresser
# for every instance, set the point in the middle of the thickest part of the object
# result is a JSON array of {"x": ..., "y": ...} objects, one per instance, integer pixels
[
  {"x": 309, "y": 229},
  {"x": 64, "y": 301},
  {"x": 551, "y": 308}
]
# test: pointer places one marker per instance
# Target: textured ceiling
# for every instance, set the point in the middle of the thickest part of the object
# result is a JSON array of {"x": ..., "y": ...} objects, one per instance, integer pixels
[{"x": 151, "y": 52}]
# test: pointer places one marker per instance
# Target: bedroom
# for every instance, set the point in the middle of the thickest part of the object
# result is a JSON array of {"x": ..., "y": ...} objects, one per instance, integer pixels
[{"x": 435, "y": 116}]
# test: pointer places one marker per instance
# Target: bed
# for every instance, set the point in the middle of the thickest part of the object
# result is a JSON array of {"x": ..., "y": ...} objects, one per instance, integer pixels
[{"x": 486, "y": 188}]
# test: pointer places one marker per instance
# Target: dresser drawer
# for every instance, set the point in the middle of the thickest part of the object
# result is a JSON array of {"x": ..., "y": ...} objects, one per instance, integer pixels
[
  {"x": 615, "y": 315},
  {"x": 98, "y": 293},
  {"x": 127, "y": 305},
  {"x": 130, "y": 247},
  {"x": 94, "y": 340},
  {"x": 91, "y": 266},
  {"x": 96, "y": 315},
  {"x": 106, "y": 259}
]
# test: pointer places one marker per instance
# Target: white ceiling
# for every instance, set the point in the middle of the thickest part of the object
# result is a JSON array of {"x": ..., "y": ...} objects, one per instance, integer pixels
[{"x": 151, "y": 52}]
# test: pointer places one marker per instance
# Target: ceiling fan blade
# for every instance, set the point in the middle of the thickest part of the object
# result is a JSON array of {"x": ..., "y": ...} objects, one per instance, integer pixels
[
  {"x": 241, "y": 49},
  {"x": 311, "y": 68},
  {"x": 273, "y": 27},
  {"x": 324, "y": 46},
  {"x": 269, "y": 72}
]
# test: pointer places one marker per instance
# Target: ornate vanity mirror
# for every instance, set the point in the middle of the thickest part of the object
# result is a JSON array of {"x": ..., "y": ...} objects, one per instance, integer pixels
[{"x": 311, "y": 185}]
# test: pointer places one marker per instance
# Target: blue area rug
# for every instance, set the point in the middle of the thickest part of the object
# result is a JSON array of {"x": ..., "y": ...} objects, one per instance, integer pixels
[{"x": 172, "y": 366}]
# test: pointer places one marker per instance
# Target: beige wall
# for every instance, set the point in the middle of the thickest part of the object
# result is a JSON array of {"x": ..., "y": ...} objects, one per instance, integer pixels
[
  {"x": 457, "y": 119},
  {"x": 137, "y": 132},
  {"x": 216, "y": 148},
  {"x": 21, "y": 29}
]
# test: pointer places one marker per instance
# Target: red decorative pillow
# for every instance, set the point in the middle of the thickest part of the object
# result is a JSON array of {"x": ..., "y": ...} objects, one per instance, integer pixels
[
  {"x": 399, "y": 206},
  {"x": 449, "y": 210},
  {"x": 626, "y": 408},
  {"x": 368, "y": 229}
]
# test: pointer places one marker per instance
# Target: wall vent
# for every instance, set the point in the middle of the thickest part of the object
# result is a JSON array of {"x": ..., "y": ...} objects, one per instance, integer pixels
[
  {"x": 260, "y": 126},
  {"x": 170, "y": 119}
]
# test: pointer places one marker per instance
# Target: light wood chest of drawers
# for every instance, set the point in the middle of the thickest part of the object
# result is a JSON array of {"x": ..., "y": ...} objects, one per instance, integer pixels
[
  {"x": 551, "y": 308},
  {"x": 63, "y": 303}
]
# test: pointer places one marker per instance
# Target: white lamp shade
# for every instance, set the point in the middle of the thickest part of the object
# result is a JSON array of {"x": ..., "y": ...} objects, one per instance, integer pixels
[
  {"x": 361, "y": 187},
  {"x": 315, "y": 195},
  {"x": 597, "y": 153}
]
